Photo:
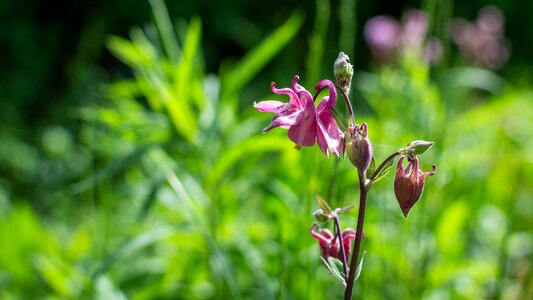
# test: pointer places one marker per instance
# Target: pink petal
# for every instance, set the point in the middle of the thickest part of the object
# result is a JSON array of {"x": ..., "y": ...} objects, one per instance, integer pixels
[
  {"x": 270, "y": 106},
  {"x": 304, "y": 132},
  {"x": 285, "y": 119},
  {"x": 301, "y": 91},
  {"x": 295, "y": 101},
  {"x": 332, "y": 99},
  {"x": 328, "y": 135}
]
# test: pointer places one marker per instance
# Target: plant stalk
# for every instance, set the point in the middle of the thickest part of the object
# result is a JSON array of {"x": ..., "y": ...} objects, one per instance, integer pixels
[
  {"x": 348, "y": 103},
  {"x": 343, "y": 253},
  {"x": 358, "y": 237}
]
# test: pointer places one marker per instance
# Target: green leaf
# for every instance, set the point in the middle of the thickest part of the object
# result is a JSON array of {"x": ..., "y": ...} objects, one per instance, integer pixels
[
  {"x": 345, "y": 209},
  {"x": 323, "y": 204},
  {"x": 383, "y": 172},
  {"x": 372, "y": 168},
  {"x": 180, "y": 104},
  {"x": 128, "y": 52},
  {"x": 133, "y": 245},
  {"x": 244, "y": 71},
  {"x": 164, "y": 27},
  {"x": 114, "y": 168},
  {"x": 335, "y": 267},
  {"x": 359, "y": 266}
]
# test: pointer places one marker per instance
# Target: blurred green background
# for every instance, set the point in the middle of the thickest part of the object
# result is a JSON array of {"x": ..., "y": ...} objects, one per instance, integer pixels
[{"x": 132, "y": 164}]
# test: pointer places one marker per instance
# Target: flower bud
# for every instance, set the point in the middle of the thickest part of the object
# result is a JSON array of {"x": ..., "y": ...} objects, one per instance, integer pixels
[
  {"x": 321, "y": 216},
  {"x": 416, "y": 147},
  {"x": 358, "y": 147},
  {"x": 409, "y": 183},
  {"x": 343, "y": 71}
]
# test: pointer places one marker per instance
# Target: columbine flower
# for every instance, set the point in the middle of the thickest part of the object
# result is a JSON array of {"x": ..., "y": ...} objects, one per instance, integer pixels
[
  {"x": 306, "y": 124},
  {"x": 329, "y": 244},
  {"x": 409, "y": 183}
]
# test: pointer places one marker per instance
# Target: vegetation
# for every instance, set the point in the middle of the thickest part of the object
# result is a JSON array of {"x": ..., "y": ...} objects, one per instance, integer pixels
[{"x": 159, "y": 184}]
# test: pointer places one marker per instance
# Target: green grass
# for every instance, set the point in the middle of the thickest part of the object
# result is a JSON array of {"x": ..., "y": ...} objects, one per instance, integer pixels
[{"x": 187, "y": 200}]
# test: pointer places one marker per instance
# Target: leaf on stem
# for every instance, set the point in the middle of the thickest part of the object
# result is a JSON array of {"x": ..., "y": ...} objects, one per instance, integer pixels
[
  {"x": 359, "y": 266},
  {"x": 335, "y": 267},
  {"x": 323, "y": 204},
  {"x": 371, "y": 169},
  {"x": 344, "y": 209},
  {"x": 382, "y": 171}
]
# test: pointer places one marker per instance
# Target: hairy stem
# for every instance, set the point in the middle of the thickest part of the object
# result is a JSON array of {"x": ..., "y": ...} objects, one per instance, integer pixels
[{"x": 358, "y": 237}]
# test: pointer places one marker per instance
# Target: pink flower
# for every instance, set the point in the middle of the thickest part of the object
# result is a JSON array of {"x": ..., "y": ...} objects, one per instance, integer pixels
[
  {"x": 383, "y": 34},
  {"x": 409, "y": 184},
  {"x": 329, "y": 244},
  {"x": 482, "y": 42},
  {"x": 306, "y": 124}
]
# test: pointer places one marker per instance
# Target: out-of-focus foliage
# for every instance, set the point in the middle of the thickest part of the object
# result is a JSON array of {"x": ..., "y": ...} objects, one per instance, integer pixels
[{"x": 169, "y": 190}]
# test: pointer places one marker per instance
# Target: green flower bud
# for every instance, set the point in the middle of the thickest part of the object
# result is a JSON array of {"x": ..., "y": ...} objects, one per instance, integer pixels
[
  {"x": 343, "y": 71},
  {"x": 320, "y": 216},
  {"x": 416, "y": 147}
]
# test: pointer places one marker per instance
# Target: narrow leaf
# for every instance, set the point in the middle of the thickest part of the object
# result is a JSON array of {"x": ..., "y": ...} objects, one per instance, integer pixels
[
  {"x": 383, "y": 172},
  {"x": 360, "y": 266},
  {"x": 333, "y": 269},
  {"x": 257, "y": 58},
  {"x": 372, "y": 168},
  {"x": 323, "y": 204},
  {"x": 164, "y": 26}
]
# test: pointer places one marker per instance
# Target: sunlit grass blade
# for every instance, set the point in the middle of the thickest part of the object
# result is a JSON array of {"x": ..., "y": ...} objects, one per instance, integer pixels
[
  {"x": 165, "y": 29},
  {"x": 317, "y": 42},
  {"x": 241, "y": 74}
]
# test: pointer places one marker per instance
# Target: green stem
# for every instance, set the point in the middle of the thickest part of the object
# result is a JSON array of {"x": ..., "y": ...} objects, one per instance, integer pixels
[{"x": 358, "y": 237}]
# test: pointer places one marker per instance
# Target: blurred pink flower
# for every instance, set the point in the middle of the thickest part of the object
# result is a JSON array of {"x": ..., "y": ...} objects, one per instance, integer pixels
[
  {"x": 306, "y": 124},
  {"x": 415, "y": 27},
  {"x": 482, "y": 42},
  {"x": 387, "y": 37},
  {"x": 433, "y": 50},
  {"x": 383, "y": 36},
  {"x": 329, "y": 244}
]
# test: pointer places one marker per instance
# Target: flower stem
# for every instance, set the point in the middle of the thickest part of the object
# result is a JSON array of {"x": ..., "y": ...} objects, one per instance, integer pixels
[
  {"x": 358, "y": 237},
  {"x": 346, "y": 99},
  {"x": 343, "y": 253},
  {"x": 348, "y": 103}
]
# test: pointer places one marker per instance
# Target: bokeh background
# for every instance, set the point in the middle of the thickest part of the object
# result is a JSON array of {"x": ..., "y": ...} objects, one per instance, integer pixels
[{"x": 132, "y": 164}]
